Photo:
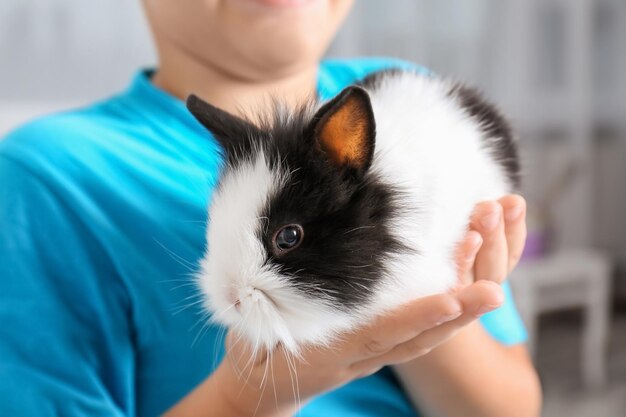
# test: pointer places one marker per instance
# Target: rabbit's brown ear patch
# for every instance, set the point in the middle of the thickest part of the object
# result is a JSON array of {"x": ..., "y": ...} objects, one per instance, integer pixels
[{"x": 345, "y": 129}]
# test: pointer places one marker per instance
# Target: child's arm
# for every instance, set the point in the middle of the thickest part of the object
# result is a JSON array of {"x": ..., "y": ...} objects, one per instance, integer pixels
[{"x": 472, "y": 375}]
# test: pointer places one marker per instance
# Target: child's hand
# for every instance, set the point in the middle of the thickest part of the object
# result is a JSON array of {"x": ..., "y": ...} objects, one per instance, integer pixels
[{"x": 473, "y": 374}]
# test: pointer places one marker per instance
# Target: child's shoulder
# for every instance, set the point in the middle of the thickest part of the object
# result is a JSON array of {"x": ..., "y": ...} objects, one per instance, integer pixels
[{"x": 73, "y": 143}]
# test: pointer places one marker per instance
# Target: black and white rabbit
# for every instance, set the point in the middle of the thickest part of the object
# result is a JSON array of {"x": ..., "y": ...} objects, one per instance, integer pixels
[{"x": 329, "y": 215}]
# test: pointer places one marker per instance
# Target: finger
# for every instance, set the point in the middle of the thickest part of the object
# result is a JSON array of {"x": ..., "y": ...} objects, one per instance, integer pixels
[
  {"x": 492, "y": 258},
  {"x": 514, "y": 207},
  {"x": 478, "y": 299},
  {"x": 403, "y": 324},
  {"x": 481, "y": 297},
  {"x": 465, "y": 257}
]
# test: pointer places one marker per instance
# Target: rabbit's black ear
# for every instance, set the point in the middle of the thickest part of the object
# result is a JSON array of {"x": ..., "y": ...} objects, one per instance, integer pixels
[
  {"x": 235, "y": 134},
  {"x": 345, "y": 130}
]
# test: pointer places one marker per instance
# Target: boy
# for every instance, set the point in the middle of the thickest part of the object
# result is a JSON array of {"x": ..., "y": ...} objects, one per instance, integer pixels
[{"x": 102, "y": 213}]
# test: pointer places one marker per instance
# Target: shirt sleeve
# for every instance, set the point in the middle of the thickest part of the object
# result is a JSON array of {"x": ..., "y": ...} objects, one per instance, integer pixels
[
  {"x": 505, "y": 324},
  {"x": 65, "y": 342}
]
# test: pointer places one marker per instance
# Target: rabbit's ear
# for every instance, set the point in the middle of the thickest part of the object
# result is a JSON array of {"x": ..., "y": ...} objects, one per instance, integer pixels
[
  {"x": 345, "y": 130},
  {"x": 235, "y": 134}
]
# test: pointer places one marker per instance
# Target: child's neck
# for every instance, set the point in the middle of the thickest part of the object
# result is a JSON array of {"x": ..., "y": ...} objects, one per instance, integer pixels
[{"x": 181, "y": 73}]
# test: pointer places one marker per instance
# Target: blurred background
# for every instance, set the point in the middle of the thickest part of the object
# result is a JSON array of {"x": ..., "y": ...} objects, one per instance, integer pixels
[{"x": 557, "y": 68}]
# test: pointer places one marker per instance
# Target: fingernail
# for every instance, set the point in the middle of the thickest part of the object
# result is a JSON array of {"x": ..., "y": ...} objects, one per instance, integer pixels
[
  {"x": 475, "y": 242},
  {"x": 475, "y": 239},
  {"x": 453, "y": 316},
  {"x": 484, "y": 309},
  {"x": 490, "y": 221},
  {"x": 513, "y": 213}
]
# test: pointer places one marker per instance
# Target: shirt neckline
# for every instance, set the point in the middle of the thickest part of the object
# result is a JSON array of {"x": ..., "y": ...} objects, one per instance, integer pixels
[{"x": 169, "y": 106}]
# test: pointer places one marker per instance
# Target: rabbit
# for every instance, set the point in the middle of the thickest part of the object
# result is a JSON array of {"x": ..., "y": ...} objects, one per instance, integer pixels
[{"x": 333, "y": 213}]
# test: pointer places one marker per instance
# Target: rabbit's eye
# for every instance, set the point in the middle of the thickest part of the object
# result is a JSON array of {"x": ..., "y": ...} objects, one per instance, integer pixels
[{"x": 288, "y": 238}]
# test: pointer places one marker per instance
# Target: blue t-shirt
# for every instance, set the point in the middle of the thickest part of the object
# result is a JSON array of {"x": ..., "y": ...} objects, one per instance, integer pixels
[{"x": 102, "y": 222}]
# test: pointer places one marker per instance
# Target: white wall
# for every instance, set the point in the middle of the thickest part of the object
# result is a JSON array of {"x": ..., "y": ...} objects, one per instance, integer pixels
[{"x": 56, "y": 54}]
